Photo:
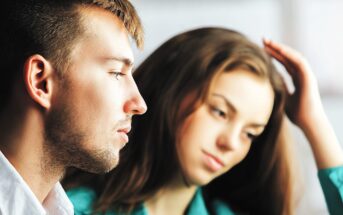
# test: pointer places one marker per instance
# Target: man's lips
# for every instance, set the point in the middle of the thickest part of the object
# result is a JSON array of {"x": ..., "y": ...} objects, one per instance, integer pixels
[
  {"x": 123, "y": 133},
  {"x": 125, "y": 130}
]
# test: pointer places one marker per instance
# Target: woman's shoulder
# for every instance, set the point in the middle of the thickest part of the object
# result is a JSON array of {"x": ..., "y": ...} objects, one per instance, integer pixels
[
  {"x": 218, "y": 207},
  {"x": 221, "y": 208},
  {"x": 83, "y": 199}
]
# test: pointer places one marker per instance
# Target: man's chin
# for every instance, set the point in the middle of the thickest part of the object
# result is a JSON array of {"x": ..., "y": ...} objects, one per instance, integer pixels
[
  {"x": 99, "y": 165},
  {"x": 99, "y": 169}
]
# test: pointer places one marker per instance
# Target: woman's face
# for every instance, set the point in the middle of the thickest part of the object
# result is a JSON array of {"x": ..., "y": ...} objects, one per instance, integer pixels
[{"x": 218, "y": 135}]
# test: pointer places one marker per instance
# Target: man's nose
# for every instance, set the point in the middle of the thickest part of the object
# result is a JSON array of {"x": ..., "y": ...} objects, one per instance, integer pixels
[{"x": 135, "y": 105}]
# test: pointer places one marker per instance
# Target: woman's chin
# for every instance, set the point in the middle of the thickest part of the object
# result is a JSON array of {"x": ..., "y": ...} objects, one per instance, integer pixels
[{"x": 200, "y": 180}]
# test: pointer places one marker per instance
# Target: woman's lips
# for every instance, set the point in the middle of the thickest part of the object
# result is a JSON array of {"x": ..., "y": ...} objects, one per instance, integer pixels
[{"x": 212, "y": 162}]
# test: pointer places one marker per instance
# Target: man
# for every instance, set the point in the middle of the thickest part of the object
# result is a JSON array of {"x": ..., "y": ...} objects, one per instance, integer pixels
[{"x": 67, "y": 96}]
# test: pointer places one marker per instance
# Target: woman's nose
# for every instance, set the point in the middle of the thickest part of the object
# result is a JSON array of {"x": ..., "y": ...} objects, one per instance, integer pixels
[{"x": 228, "y": 139}]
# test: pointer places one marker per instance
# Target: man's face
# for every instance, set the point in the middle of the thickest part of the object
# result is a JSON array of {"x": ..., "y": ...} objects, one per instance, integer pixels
[{"x": 93, "y": 104}]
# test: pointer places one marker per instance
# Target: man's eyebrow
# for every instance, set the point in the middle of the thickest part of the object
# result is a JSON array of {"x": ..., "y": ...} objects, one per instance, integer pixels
[
  {"x": 127, "y": 61},
  {"x": 234, "y": 109}
]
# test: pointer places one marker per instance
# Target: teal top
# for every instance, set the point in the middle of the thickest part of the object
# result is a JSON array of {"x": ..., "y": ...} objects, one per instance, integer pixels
[{"x": 331, "y": 181}]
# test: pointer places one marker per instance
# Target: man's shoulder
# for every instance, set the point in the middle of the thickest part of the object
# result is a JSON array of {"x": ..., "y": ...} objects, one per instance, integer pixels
[{"x": 83, "y": 199}]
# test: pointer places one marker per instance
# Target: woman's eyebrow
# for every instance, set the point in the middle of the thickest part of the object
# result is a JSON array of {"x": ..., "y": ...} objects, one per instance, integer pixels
[
  {"x": 231, "y": 106},
  {"x": 228, "y": 103}
]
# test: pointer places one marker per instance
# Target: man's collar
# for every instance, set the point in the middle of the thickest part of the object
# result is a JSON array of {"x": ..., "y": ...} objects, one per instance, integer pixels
[{"x": 16, "y": 197}]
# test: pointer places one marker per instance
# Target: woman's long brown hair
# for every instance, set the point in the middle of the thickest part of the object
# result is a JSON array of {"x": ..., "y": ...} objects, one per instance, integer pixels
[{"x": 186, "y": 65}]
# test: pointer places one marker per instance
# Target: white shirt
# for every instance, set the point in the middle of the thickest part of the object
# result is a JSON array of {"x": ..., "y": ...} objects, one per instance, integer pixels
[{"x": 16, "y": 198}]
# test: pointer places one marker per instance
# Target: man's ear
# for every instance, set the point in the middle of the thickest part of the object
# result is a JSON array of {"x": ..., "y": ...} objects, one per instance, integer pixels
[{"x": 38, "y": 78}]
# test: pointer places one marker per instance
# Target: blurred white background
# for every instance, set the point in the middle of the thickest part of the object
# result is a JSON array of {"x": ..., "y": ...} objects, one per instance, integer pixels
[{"x": 314, "y": 27}]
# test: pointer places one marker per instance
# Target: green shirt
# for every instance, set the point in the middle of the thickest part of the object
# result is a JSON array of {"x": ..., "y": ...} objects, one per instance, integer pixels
[
  {"x": 331, "y": 181},
  {"x": 83, "y": 198}
]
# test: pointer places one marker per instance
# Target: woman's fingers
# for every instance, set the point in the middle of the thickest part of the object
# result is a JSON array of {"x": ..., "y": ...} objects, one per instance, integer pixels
[
  {"x": 282, "y": 59},
  {"x": 291, "y": 56},
  {"x": 306, "y": 96},
  {"x": 291, "y": 69},
  {"x": 295, "y": 63}
]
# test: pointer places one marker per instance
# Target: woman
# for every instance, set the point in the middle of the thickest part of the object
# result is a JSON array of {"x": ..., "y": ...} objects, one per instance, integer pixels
[{"x": 210, "y": 142}]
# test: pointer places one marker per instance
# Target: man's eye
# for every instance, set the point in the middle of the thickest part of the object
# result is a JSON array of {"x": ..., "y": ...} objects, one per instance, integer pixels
[{"x": 117, "y": 74}]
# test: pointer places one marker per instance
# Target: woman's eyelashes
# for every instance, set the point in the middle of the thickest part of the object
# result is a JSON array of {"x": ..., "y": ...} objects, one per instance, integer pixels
[
  {"x": 251, "y": 136},
  {"x": 218, "y": 112},
  {"x": 223, "y": 114},
  {"x": 253, "y": 133}
]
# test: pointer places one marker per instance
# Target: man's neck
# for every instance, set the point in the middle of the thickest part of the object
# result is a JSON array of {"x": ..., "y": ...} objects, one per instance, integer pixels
[
  {"x": 22, "y": 143},
  {"x": 172, "y": 199}
]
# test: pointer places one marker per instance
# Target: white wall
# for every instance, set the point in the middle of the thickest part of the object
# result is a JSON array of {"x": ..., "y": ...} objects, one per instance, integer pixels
[
  {"x": 314, "y": 27},
  {"x": 163, "y": 19}
]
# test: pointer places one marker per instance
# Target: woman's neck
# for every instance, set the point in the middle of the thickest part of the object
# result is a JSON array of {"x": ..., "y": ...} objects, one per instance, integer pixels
[{"x": 172, "y": 199}]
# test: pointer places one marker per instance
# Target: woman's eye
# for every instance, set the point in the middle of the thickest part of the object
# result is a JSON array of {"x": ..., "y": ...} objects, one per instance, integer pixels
[
  {"x": 117, "y": 74},
  {"x": 218, "y": 112},
  {"x": 251, "y": 136}
]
